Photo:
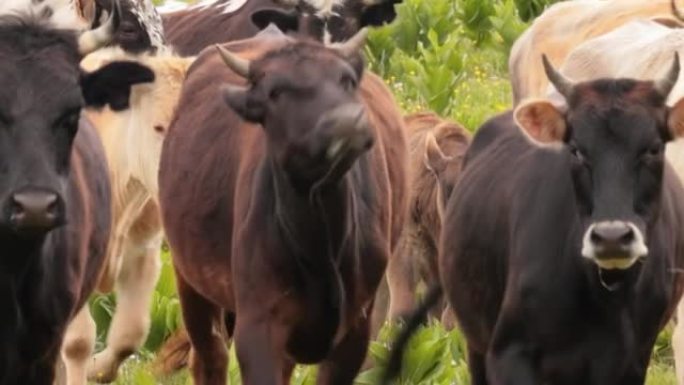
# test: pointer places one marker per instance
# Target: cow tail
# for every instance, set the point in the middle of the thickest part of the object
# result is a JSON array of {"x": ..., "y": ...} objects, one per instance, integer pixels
[
  {"x": 433, "y": 295},
  {"x": 174, "y": 354}
]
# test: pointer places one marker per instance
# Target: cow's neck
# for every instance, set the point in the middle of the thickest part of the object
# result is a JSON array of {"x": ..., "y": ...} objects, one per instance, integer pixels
[
  {"x": 612, "y": 286},
  {"x": 316, "y": 223},
  {"x": 318, "y": 230},
  {"x": 19, "y": 260}
]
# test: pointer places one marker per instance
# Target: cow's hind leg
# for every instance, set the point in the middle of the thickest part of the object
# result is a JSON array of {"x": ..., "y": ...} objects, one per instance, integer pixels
[
  {"x": 205, "y": 325},
  {"x": 130, "y": 324},
  {"x": 401, "y": 279},
  {"x": 343, "y": 364},
  {"x": 78, "y": 346}
]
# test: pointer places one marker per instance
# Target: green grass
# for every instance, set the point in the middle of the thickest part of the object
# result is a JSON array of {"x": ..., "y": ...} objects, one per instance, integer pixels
[{"x": 434, "y": 357}]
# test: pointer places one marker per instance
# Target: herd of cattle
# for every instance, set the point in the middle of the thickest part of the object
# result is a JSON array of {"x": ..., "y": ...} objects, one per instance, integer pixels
[{"x": 295, "y": 197}]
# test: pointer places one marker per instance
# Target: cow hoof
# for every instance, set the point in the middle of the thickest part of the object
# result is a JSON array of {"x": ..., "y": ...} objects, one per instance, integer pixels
[{"x": 104, "y": 367}]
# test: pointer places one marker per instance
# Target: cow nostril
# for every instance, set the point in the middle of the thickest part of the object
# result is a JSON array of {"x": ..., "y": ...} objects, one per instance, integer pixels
[{"x": 628, "y": 237}]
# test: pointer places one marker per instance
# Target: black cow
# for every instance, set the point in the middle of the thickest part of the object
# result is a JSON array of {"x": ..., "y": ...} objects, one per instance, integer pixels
[
  {"x": 562, "y": 239},
  {"x": 54, "y": 188},
  {"x": 194, "y": 28}
]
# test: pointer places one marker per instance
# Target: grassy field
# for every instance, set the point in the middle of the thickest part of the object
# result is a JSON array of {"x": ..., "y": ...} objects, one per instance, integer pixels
[{"x": 448, "y": 56}]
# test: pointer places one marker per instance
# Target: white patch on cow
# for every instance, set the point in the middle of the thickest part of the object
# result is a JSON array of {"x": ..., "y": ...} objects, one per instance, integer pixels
[
  {"x": 63, "y": 14},
  {"x": 637, "y": 249},
  {"x": 225, "y": 6},
  {"x": 327, "y": 38},
  {"x": 172, "y": 6},
  {"x": 233, "y": 5},
  {"x": 325, "y": 8}
]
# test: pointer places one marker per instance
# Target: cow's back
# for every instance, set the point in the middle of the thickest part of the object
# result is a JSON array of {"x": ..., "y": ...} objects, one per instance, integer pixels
[{"x": 192, "y": 29}]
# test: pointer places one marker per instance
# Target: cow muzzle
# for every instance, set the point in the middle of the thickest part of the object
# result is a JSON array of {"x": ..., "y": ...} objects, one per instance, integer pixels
[
  {"x": 614, "y": 244},
  {"x": 35, "y": 211},
  {"x": 348, "y": 129}
]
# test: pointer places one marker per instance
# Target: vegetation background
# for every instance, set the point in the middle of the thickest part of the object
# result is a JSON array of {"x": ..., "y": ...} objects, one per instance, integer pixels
[{"x": 448, "y": 56}]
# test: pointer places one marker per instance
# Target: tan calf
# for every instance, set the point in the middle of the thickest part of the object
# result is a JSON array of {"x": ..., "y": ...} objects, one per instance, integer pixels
[
  {"x": 132, "y": 140},
  {"x": 437, "y": 148}
]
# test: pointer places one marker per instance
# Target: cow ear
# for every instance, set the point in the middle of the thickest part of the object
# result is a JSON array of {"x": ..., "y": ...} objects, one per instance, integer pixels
[
  {"x": 379, "y": 14},
  {"x": 285, "y": 21},
  {"x": 435, "y": 160},
  {"x": 237, "y": 99},
  {"x": 541, "y": 121},
  {"x": 112, "y": 83},
  {"x": 675, "y": 120}
]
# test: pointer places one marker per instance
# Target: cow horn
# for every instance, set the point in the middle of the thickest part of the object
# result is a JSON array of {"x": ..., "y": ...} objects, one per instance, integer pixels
[
  {"x": 675, "y": 11},
  {"x": 353, "y": 45},
  {"x": 562, "y": 84},
  {"x": 239, "y": 65},
  {"x": 93, "y": 39},
  {"x": 665, "y": 85}
]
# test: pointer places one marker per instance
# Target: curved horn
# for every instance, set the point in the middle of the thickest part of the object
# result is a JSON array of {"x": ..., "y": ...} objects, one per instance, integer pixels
[
  {"x": 239, "y": 65},
  {"x": 562, "y": 84},
  {"x": 665, "y": 84},
  {"x": 353, "y": 45},
  {"x": 93, "y": 39},
  {"x": 675, "y": 11}
]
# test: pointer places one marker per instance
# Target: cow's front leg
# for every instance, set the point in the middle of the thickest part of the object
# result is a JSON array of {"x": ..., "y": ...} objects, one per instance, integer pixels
[
  {"x": 260, "y": 348},
  {"x": 78, "y": 346},
  {"x": 130, "y": 324},
  {"x": 509, "y": 360},
  {"x": 343, "y": 364}
]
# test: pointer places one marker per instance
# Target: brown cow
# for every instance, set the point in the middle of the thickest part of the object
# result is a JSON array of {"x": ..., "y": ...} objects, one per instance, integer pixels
[
  {"x": 282, "y": 209},
  {"x": 436, "y": 147}
]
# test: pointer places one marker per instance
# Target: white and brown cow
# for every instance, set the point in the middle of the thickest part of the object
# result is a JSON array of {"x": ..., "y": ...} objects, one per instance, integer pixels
[{"x": 132, "y": 135}]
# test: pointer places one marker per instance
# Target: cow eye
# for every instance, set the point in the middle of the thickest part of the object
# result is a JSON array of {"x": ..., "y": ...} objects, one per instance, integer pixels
[
  {"x": 275, "y": 93},
  {"x": 654, "y": 151},
  {"x": 69, "y": 121},
  {"x": 127, "y": 28},
  {"x": 348, "y": 83}
]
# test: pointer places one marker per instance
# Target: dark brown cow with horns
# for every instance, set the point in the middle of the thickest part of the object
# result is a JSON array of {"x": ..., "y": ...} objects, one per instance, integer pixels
[
  {"x": 282, "y": 203},
  {"x": 563, "y": 237}
]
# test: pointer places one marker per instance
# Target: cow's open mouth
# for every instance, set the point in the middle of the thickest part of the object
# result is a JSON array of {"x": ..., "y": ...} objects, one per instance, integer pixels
[{"x": 613, "y": 279}]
